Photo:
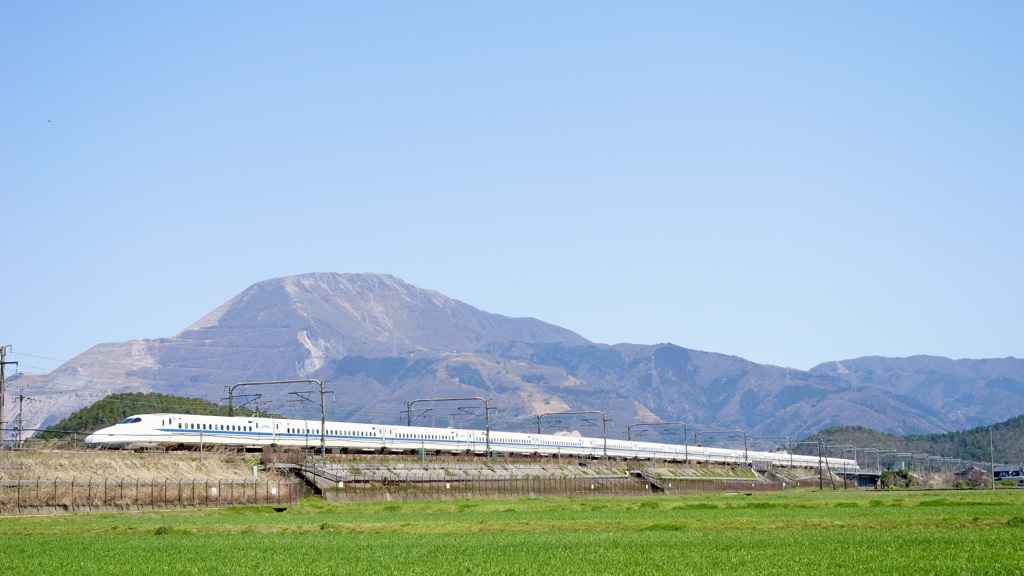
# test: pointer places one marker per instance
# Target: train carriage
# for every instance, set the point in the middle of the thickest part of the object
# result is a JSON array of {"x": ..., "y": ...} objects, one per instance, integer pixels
[{"x": 184, "y": 430}]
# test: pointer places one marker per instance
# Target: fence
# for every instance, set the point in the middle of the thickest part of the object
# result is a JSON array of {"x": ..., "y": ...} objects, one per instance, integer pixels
[{"x": 49, "y": 496}]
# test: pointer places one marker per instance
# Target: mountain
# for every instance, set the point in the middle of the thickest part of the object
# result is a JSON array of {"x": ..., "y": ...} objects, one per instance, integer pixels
[
  {"x": 380, "y": 343},
  {"x": 966, "y": 393}
]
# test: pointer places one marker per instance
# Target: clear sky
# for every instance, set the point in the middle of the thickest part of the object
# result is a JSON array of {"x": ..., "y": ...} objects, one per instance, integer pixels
[{"x": 790, "y": 182}]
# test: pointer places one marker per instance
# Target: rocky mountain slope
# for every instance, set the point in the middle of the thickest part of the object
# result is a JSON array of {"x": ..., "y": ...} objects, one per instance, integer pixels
[{"x": 380, "y": 343}]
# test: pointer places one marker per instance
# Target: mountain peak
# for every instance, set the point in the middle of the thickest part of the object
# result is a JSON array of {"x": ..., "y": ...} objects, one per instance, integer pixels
[{"x": 368, "y": 314}]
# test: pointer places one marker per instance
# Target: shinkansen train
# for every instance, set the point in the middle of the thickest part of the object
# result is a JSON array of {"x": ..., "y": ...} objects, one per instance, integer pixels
[{"x": 186, "y": 430}]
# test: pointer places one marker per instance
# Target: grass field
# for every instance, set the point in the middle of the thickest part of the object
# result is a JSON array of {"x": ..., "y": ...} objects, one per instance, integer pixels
[{"x": 790, "y": 533}]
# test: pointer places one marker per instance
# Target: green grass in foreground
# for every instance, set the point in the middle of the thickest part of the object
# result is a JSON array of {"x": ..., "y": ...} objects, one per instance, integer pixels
[{"x": 776, "y": 533}]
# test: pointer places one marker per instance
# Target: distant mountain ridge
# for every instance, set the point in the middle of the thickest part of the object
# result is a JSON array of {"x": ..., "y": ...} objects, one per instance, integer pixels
[{"x": 380, "y": 343}]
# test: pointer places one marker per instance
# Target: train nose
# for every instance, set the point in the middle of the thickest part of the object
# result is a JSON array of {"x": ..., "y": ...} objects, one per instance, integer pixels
[{"x": 98, "y": 437}]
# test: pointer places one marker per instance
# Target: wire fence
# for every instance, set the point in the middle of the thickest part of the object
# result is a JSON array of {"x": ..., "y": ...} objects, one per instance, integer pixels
[{"x": 90, "y": 495}]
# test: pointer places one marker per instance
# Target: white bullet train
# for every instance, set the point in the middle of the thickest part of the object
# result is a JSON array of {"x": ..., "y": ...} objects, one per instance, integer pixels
[{"x": 186, "y": 430}]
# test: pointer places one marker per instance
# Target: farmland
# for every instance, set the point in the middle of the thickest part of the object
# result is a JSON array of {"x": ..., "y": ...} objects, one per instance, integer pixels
[{"x": 795, "y": 532}]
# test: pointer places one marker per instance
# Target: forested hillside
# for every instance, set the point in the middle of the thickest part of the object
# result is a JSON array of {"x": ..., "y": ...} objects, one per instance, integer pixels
[
  {"x": 117, "y": 407},
  {"x": 1007, "y": 440}
]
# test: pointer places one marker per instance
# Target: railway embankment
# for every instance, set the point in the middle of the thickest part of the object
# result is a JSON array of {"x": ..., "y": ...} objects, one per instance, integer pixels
[
  {"x": 97, "y": 480},
  {"x": 54, "y": 482},
  {"x": 113, "y": 464},
  {"x": 404, "y": 479}
]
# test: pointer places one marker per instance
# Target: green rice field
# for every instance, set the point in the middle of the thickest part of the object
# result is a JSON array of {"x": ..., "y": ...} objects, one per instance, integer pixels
[{"x": 788, "y": 533}]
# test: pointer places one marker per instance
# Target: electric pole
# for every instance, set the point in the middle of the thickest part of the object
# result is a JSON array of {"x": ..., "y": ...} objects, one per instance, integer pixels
[
  {"x": 21, "y": 422},
  {"x": 3, "y": 390}
]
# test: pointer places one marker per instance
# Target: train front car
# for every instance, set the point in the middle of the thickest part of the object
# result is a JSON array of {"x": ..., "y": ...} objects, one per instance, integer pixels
[{"x": 132, "y": 433}]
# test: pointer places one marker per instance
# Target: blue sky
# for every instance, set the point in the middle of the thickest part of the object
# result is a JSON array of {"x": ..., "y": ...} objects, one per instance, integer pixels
[{"x": 790, "y": 182}]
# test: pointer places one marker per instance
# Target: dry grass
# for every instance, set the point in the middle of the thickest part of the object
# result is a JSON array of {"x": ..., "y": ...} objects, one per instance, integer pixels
[{"x": 66, "y": 465}]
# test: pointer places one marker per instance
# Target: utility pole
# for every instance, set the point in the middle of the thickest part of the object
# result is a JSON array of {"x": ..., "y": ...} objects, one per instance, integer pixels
[
  {"x": 992, "y": 456},
  {"x": 21, "y": 422},
  {"x": 3, "y": 390},
  {"x": 821, "y": 481}
]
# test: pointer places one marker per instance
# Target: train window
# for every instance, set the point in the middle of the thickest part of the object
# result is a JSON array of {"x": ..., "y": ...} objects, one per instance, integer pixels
[{"x": 179, "y": 425}]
